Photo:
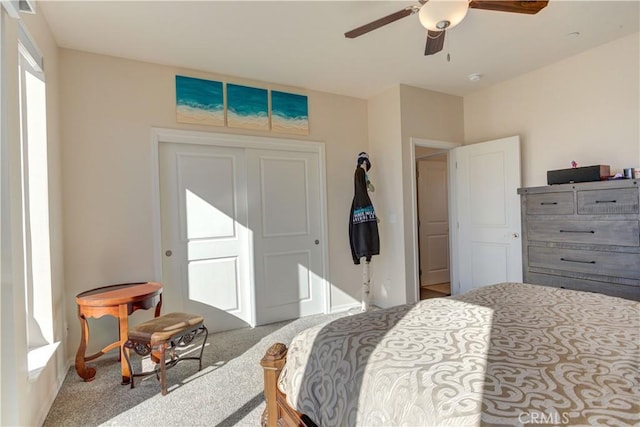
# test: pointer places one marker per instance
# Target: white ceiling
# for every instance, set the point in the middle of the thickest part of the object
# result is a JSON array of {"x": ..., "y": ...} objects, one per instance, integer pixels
[{"x": 302, "y": 43}]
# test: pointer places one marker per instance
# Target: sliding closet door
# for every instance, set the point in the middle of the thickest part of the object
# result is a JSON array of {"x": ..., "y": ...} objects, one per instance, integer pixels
[
  {"x": 241, "y": 233},
  {"x": 205, "y": 237},
  {"x": 285, "y": 217}
]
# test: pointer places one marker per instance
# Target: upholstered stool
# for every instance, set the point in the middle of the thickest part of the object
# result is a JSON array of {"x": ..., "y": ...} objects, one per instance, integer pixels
[{"x": 163, "y": 333}]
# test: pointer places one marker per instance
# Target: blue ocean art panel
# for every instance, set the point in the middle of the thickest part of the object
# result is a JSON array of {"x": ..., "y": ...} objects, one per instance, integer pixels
[
  {"x": 289, "y": 113},
  {"x": 199, "y": 101},
  {"x": 247, "y": 107}
]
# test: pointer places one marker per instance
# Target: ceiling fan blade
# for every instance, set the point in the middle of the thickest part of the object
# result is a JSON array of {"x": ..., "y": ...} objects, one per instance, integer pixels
[
  {"x": 378, "y": 23},
  {"x": 435, "y": 42},
  {"x": 530, "y": 7}
]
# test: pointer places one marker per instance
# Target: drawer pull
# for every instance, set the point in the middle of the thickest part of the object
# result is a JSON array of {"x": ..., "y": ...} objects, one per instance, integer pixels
[
  {"x": 548, "y": 203},
  {"x": 578, "y": 231},
  {"x": 577, "y": 260},
  {"x": 605, "y": 201}
]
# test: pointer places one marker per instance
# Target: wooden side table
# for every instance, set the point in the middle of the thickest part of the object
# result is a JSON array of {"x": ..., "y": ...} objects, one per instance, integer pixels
[{"x": 118, "y": 301}]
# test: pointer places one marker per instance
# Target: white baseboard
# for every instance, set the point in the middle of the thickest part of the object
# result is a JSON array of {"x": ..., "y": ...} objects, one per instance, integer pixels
[{"x": 345, "y": 307}]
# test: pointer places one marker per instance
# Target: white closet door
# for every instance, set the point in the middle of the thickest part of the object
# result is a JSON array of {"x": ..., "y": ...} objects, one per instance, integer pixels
[
  {"x": 206, "y": 240},
  {"x": 241, "y": 233},
  {"x": 285, "y": 218}
]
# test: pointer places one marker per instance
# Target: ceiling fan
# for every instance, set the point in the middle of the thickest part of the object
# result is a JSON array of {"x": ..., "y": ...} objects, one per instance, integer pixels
[{"x": 437, "y": 16}]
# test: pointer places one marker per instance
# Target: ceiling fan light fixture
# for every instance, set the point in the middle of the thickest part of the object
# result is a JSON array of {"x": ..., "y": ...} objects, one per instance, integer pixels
[{"x": 439, "y": 15}]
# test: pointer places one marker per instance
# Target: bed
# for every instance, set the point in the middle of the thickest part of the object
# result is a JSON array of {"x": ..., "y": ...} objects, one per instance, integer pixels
[{"x": 506, "y": 354}]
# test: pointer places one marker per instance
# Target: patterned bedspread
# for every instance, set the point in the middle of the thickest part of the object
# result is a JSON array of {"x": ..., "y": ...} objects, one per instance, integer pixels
[{"x": 507, "y": 354}]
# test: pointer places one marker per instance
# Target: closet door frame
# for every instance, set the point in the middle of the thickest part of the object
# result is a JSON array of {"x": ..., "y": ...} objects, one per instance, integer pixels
[{"x": 159, "y": 135}]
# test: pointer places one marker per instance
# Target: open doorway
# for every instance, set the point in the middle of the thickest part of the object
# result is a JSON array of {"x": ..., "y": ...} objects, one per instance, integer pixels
[
  {"x": 432, "y": 213},
  {"x": 433, "y": 222}
]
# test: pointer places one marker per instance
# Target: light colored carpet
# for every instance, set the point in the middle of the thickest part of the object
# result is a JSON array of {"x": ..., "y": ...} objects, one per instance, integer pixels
[{"x": 227, "y": 391}]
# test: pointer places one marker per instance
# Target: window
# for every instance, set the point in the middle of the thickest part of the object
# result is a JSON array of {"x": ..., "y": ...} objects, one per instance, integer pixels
[{"x": 35, "y": 204}]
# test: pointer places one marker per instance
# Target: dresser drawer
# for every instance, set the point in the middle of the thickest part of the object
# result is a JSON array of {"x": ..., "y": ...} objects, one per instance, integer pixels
[
  {"x": 611, "y": 201},
  {"x": 615, "y": 233},
  {"x": 550, "y": 204},
  {"x": 614, "y": 264}
]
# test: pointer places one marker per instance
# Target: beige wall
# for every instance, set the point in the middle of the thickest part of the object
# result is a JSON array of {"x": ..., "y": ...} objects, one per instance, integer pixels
[
  {"x": 24, "y": 401},
  {"x": 396, "y": 116},
  {"x": 584, "y": 108},
  {"x": 385, "y": 174},
  {"x": 427, "y": 115},
  {"x": 109, "y": 108},
  {"x": 433, "y": 154}
]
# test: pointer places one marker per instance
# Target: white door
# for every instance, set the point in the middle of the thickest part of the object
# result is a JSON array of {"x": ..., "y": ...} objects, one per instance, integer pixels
[
  {"x": 241, "y": 233},
  {"x": 285, "y": 217},
  {"x": 205, "y": 238},
  {"x": 434, "y": 221},
  {"x": 488, "y": 248}
]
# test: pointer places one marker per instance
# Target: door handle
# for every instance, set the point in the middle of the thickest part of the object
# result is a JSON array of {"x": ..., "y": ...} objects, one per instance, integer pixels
[
  {"x": 515, "y": 235},
  {"x": 168, "y": 253},
  {"x": 317, "y": 242}
]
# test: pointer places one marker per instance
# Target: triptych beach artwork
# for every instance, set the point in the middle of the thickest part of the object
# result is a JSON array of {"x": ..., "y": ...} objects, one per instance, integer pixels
[{"x": 201, "y": 101}]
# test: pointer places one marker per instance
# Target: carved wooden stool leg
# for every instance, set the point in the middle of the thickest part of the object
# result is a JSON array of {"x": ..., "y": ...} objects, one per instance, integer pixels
[{"x": 163, "y": 369}]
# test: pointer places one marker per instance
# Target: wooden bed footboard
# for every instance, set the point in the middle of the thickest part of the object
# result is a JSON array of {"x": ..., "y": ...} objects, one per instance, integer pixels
[{"x": 277, "y": 411}]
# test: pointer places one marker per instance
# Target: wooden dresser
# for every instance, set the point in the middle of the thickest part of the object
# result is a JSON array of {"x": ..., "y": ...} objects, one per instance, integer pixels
[{"x": 583, "y": 236}]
